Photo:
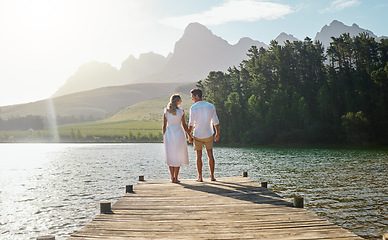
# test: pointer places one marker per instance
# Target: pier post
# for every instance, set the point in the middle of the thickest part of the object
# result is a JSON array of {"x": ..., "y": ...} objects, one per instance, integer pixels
[
  {"x": 141, "y": 178},
  {"x": 264, "y": 184},
  {"x": 129, "y": 189},
  {"x": 105, "y": 208},
  {"x": 245, "y": 174},
  {"x": 298, "y": 202},
  {"x": 48, "y": 237}
]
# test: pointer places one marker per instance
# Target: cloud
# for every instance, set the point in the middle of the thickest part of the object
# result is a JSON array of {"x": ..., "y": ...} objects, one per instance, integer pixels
[
  {"x": 232, "y": 11},
  {"x": 339, "y": 5}
]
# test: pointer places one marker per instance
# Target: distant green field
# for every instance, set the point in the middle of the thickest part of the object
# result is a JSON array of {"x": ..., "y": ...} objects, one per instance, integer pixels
[
  {"x": 113, "y": 131},
  {"x": 127, "y": 131}
]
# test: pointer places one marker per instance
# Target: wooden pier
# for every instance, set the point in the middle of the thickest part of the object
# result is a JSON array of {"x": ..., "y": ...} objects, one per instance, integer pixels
[{"x": 229, "y": 208}]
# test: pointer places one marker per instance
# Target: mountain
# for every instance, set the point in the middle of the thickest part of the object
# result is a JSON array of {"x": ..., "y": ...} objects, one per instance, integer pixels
[
  {"x": 99, "y": 89},
  {"x": 90, "y": 76},
  {"x": 94, "y": 74},
  {"x": 378, "y": 39},
  {"x": 336, "y": 29},
  {"x": 241, "y": 48},
  {"x": 197, "y": 53},
  {"x": 133, "y": 69},
  {"x": 283, "y": 37}
]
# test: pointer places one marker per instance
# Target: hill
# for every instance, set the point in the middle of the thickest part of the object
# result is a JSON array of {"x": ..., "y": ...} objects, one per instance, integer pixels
[
  {"x": 94, "y": 104},
  {"x": 150, "y": 110}
]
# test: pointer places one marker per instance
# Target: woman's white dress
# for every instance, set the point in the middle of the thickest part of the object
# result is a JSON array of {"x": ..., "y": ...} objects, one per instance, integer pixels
[{"x": 175, "y": 145}]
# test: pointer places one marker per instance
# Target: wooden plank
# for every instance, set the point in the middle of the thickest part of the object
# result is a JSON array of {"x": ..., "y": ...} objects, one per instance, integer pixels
[{"x": 230, "y": 208}]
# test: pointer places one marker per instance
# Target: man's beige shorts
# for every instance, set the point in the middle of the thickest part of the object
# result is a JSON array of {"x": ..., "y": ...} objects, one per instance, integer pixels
[{"x": 198, "y": 143}]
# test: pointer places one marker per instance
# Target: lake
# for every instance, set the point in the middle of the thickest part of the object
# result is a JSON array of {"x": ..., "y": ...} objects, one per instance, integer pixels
[{"x": 55, "y": 189}]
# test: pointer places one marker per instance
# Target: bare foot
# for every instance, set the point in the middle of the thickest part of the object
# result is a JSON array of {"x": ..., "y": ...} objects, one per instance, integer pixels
[
  {"x": 177, "y": 181},
  {"x": 213, "y": 179},
  {"x": 199, "y": 180}
]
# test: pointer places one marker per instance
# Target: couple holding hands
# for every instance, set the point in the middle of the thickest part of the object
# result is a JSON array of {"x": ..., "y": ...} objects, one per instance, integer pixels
[{"x": 200, "y": 132}]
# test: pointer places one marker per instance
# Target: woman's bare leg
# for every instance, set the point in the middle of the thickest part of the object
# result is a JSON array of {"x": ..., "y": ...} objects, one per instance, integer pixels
[
  {"x": 172, "y": 173},
  {"x": 176, "y": 172}
]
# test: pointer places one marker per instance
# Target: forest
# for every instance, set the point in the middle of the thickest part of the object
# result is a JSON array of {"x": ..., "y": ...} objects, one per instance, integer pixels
[
  {"x": 302, "y": 93},
  {"x": 22, "y": 123},
  {"x": 35, "y": 122}
]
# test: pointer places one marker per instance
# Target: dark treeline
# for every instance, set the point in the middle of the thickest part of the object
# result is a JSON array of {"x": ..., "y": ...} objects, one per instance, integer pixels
[
  {"x": 22, "y": 123},
  {"x": 61, "y": 120},
  {"x": 39, "y": 122},
  {"x": 298, "y": 93}
]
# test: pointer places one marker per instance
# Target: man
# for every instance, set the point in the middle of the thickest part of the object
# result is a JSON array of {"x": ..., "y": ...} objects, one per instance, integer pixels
[{"x": 203, "y": 117}]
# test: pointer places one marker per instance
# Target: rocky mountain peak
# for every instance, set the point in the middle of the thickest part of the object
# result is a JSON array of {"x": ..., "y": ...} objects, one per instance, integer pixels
[
  {"x": 283, "y": 37},
  {"x": 336, "y": 29},
  {"x": 196, "y": 35}
]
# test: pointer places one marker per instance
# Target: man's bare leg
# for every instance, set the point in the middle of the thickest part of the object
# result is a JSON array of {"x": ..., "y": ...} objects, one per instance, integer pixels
[
  {"x": 199, "y": 165},
  {"x": 211, "y": 163}
]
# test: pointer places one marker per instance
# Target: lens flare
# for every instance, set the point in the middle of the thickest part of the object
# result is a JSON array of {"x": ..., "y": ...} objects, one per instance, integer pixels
[{"x": 52, "y": 120}]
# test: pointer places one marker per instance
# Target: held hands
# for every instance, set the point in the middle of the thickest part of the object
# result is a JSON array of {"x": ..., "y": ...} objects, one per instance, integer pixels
[
  {"x": 217, "y": 137},
  {"x": 191, "y": 139}
]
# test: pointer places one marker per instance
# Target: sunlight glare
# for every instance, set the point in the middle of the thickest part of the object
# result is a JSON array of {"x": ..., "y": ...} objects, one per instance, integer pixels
[
  {"x": 40, "y": 14},
  {"x": 52, "y": 119},
  {"x": 25, "y": 156}
]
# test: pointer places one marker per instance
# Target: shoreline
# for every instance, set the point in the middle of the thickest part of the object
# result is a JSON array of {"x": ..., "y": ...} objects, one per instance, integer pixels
[{"x": 272, "y": 145}]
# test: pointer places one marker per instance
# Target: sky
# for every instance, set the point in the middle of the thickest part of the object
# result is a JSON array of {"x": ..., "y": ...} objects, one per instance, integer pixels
[{"x": 44, "y": 42}]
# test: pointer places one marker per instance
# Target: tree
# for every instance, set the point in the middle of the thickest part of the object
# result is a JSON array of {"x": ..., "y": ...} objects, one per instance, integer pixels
[
  {"x": 290, "y": 93},
  {"x": 356, "y": 127},
  {"x": 234, "y": 111}
]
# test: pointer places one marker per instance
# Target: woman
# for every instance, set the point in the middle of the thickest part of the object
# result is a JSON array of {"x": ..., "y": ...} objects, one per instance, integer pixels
[{"x": 174, "y": 138}]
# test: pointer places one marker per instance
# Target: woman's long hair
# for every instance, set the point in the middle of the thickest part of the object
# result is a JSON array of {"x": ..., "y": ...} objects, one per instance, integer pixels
[{"x": 172, "y": 106}]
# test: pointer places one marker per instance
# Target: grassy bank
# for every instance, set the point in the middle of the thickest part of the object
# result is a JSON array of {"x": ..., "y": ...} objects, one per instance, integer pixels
[{"x": 125, "y": 131}]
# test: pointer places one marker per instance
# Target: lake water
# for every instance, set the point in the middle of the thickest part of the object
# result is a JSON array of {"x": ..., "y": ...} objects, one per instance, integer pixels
[{"x": 55, "y": 189}]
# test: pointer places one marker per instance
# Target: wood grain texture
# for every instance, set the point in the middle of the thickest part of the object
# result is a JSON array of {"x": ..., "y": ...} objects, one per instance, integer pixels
[{"x": 230, "y": 208}]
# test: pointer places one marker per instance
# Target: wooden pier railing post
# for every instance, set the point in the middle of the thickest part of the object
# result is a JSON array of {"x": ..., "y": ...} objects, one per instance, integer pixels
[
  {"x": 129, "y": 189},
  {"x": 245, "y": 174},
  {"x": 264, "y": 184},
  {"x": 48, "y": 237},
  {"x": 105, "y": 208},
  {"x": 141, "y": 178},
  {"x": 298, "y": 202}
]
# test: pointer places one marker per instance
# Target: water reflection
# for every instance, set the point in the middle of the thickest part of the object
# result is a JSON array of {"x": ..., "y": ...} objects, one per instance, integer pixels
[
  {"x": 346, "y": 186},
  {"x": 55, "y": 188},
  {"x": 25, "y": 156}
]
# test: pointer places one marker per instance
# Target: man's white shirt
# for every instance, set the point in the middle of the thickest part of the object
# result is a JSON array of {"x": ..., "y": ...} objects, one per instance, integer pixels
[{"x": 203, "y": 117}]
